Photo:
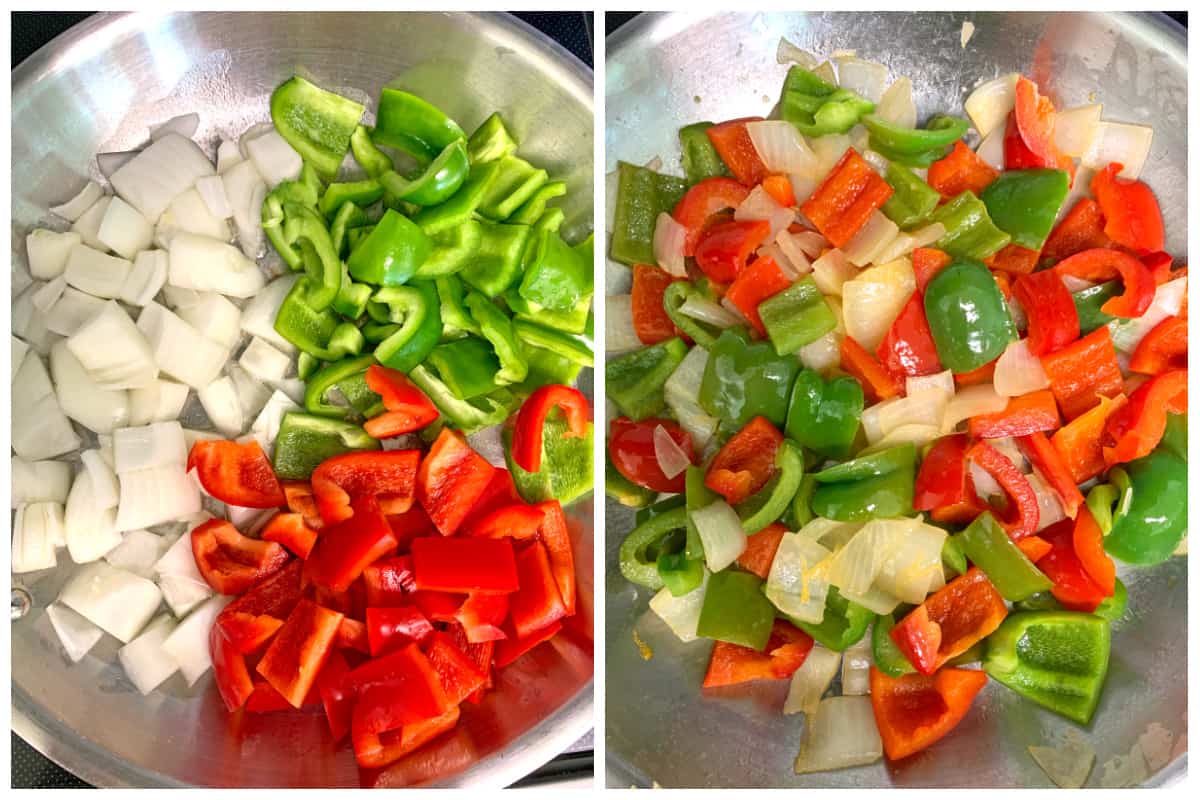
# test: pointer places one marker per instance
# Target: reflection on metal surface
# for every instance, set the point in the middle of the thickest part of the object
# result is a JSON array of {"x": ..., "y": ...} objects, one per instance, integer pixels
[
  {"x": 99, "y": 88},
  {"x": 660, "y": 76}
]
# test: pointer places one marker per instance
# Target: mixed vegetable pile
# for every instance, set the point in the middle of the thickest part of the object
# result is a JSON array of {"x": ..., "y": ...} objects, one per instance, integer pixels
[
  {"x": 354, "y": 550},
  {"x": 892, "y": 402}
]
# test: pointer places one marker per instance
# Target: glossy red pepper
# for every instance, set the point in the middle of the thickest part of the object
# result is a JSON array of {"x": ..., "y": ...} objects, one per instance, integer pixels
[
  {"x": 298, "y": 497},
  {"x": 952, "y": 619},
  {"x": 531, "y": 421},
  {"x": 746, "y": 462},
  {"x": 914, "y": 711},
  {"x": 238, "y": 473},
  {"x": 785, "y": 653},
  {"x": 456, "y": 564},
  {"x": 510, "y": 649},
  {"x": 451, "y": 479},
  {"x": 1083, "y": 371},
  {"x": 780, "y": 189},
  {"x": 1034, "y": 116},
  {"x": 352, "y": 635},
  {"x": 702, "y": 202},
  {"x": 760, "y": 550},
  {"x": 631, "y": 449},
  {"x": 1132, "y": 217},
  {"x": 395, "y": 690},
  {"x": 555, "y": 534},
  {"x": 389, "y": 582},
  {"x": 1013, "y": 259},
  {"x": 377, "y": 750},
  {"x": 1017, "y": 154},
  {"x": 877, "y": 382},
  {"x": 481, "y": 615},
  {"x": 1137, "y": 428},
  {"x": 501, "y": 491},
  {"x": 1159, "y": 264},
  {"x": 337, "y": 697},
  {"x": 760, "y": 280},
  {"x": 845, "y": 200},
  {"x": 437, "y": 606},
  {"x": 1073, "y": 587},
  {"x": 1050, "y": 309},
  {"x": 536, "y": 604},
  {"x": 1023, "y": 415},
  {"x": 390, "y": 629},
  {"x": 1046, "y": 460},
  {"x": 230, "y": 562},
  {"x": 344, "y": 550},
  {"x": 388, "y": 476},
  {"x": 1034, "y": 548},
  {"x": 1079, "y": 441},
  {"x": 908, "y": 347},
  {"x": 229, "y": 670},
  {"x": 943, "y": 486},
  {"x": 298, "y": 651},
  {"x": 480, "y": 654},
  {"x": 254, "y": 617},
  {"x": 1087, "y": 540},
  {"x": 1164, "y": 348},
  {"x": 290, "y": 531},
  {"x": 961, "y": 170},
  {"x": 1022, "y": 515},
  {"x": 1103, "y": 264},
  {"x": 926, "y": 263},
  {"x": 408, "y": 408},
  {"x": 459, "y": 674},
  {"x": 265, "y": 699},
  {"x": 650, "y": 320},
  {"x": 724, "y": 248},
  {"x": 518, "y": 521},
  {"x": 735, "y": 147},
  {"x": 1081, "y": 229}
]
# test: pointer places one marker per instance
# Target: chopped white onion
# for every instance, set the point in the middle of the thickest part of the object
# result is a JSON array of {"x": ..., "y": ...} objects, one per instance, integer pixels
[
  {"x": 145, "y": 447},
  {"x": 144, "y": 660},
  {"x": 811, "y": 681},
  {"x": 874, "y": 298},
  {"x": 212, "y": 190},
  {"x": 81, "y": 398},
  {"x": 831, "y": 271},
  {"x": 841, "y": 733},
  {"x": 968, "y": 30},
  {"x": 75, "y": 633},
  {"x": 274, "y": 158},
  {"x": 245, "y": 190},
  {"x": 255, "y": 130},
  {"x": 721, "y": 533},
  {"x": 228, "y": 156},
  {"x": 795, "y": 585},
  {"x": 989, "y": 104},
  {"x": 1074, "y": 284},
  {"x": 113, "y": 350},
  {"x": 72, "y": 311},
  {"x": 266, "y": 425},
  {"x": 88, "y": 224},
  {"x": 1075, "y": 128},
  {"x": 781, "y": 147},
  {"x": 40, "y": 430},
  {"x": 1068, "y": 763},
  {"x": 210, "y": 265},
  {"x": 682, "y": 393},
  {"x": 669, "y": 238},
  {"x": 48, "y": 251},
  {"x": 864, "y": 77},
  {"x": 147, "y": 277},
  {"x": 825, "y": 72},
  {"x": 111, "y": 162},
  {"x": 178, "y": 349},
  {"x": 158, "y": 174},
  {"x": 19, "y": 349},
  {"x": 856, "y": 668},
  {"x": 28, "y": 323},
  {"x": 705, "y": 310},
  {"x": 991, "y": 149},
  {"x": 189, "y": 213},
  {"x": 88, "y": 527},
  {"x": 105, "y": 490},
  {"x": 188, "y": 643},
  {"x": 215, "y": 318},
  {"x": 264, "y": 361},
  {"x": 1168, "y": 302},
  {"x": 824, "y": 353},
  {"x": 39, "y": 481},
  {"x": 914, "y": 561},
  {"x": 49, "y": 294},
  {"x": 153, "y": 496},
  {"x": 939, "y": 381},
  {"x": 158, "y": 401},
  {"x": 1018, "y": 371},
  {"x": 871, "y": 240},
  {"x": 759, "y": 205},
  {"x": 182, "y": 584},
  {"x": 671, "y": 458},
  {"x": 905, "y": 243},
  {"x": 1118, "y": 143},
  {"x": 221, "y": 404},
  {"x": 972, "y": 401},
  {"x": 619, "y": 333},
  {"x": 86, "y": 198},
  {"x": 681, "y": 614},
  {"x": 896, "y": 105},
  {"x": 803, "y": 186},
  {"x": 123, "y": 230},
  {"x": 292, "y": 387},
  {"x": 138, "y": 552},
  {"x": 96, "y": 273},
  {"x": 258, "y": 317},
  {"x": 1050, "y": 510},
  {"x": 792, "y": 249},
  {"x": 37, "y": 528},
  {"x": 787, "y": 53},
  {"x": 184, "y": 125},
  {"x": 117, "y": 601}
]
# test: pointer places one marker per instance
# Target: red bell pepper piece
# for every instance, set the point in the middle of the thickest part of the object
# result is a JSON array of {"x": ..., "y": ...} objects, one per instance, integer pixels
[
  {"x": 537, "y": 603},
  {"x": 943, "y": 484},
  {"x": 702, "y": 202},
  {"x": 1083, "y": 371},
  {"x": 1159, "y": 264},
  {"x": 1017, "y": 154},
  {"x": 735, "y": 147},
  {"x": 632, "y": 452},
  {"x": 264, "y": 699},
  {"x": 926, "y": 263},
  {"x": 397, "y": 689},
  {"x": 915, "y": 711},
  {"x": 377, "y": 750},
  {"x": 1046, "y": 460},
  {"x": 451, "y": 480},
  {"x": 1136, "y": 429},
  {"x": 1103, "y": 265},
  {"x": 390, "y": 629},
  {"x": 481, "y": 615},
  {"x": 650, "y": 320},
  {"x": 724, "y": 248},
  {"x": 518, "y": 521},
  {"x": 845, "y": 200},
  {"x": 951, "y": 620},
  {"x": 1098, "y": 264},
  {"x": 1034, "y": 117},
  {"x": 238, "y": 473},
  {"x": 460, "y": 676},
  {"x": 408, "y": 408},
  {"x": 291, "y": 532},
  {"x": 500, "y": 492},
  {"x": 344, "y": 550},
  {"x": 298, "y": 497},
  {"x": 352, "y": 635},
  {"x": 1034, "y": 548},
  {"x": 983, "y": 374},
  {"x": 961, "y": 170},
  {"x": 1163, "y": 348},
  {"x": 438, "y": 606},
  {"x": 746, "y": 462},
  {"x": 1022, "y": 515},
  {"x": 510, "y": 649},
  {"x": 1050, "y": 309},
  {"x": 231, "y": 563},
  {"x": 760, "y": 280},
  {"x": 388, "y": 476},
  {"x": 556, "y": 536},
  {"x": 298, "y": 652},
  {"x": 1131, "y": 213},
  {"x": 336, "y": 697},
  {"x": 229, "y": 670},
  {"x": 908, "y": 347},
  {"x": 780, "y": 189},
  {"x": 480, "y": 654},
  {"x": 464, "y": 565},
  {"x": 389, "y": 582},
  {"x": 1081, "y": 229},
  {"x": 410, "y": 525},
  {"x": 1087, "y": 540},
  {"x": 733, "y": 663},
  {"x": 760, "y": 550},
  {"x": 252, "y": 619},
  {"x": 1013, "y": 259},
  {"x": 878, "y": 384},
  {"x": 1023, "y": 415},
  {"x": 1073, "y": 586},
  {"x": 1079, "y": 441},
  {"x": 531, "y": 421}
]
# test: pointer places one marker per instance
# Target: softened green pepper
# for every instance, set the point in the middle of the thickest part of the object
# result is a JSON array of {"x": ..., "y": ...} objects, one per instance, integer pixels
[
  {"x": 824, "y": 415},
  {"x": 701, "y": 333},
  {"x": 360, "y": 193},
  {"x": 566, "y": 473},
  {"x": 623, "y": 490},
  {"x": 818, "y": 108},
  {"x": 466, "y": 415},
  {"x": 497, "y": 263},
  {"x": 360, "y": 396},
  {"x": 844, "y": 624},
  {"x": 392, "y": 253},
  {"x": 634, "y": 560},
  {"x": 939, "y": 133},
  {"x": 697, "y": 495},
  {"x": 1156, "y": 520},
  {"x": 1113, "y": 608},
  {"x": 700, "y": 159},
  {"x": 570, "y": 347},
  {"x": 306, "y": 365},
  {"x": 968, "y": 317},
  {"x": 743, "y": 380},
  {"x": 642, "y": 195},
  {"x": 970, "y": 232},
  {"x": 545, "y": 366},
  {"x": 316, "y": 123},
  {"x": 374, "y": 161},
  {"x": 434, "y": 184},
  {"x": 416, "y": 310},
  {"x": 517, "y": 181},
  {"x": 491, "y": 141},
  {"x": 679, "y": 574},
  {"x": 1175, "y": 436},
  {"x": 356, "y": 236},
  {"x": 735, "y": 610},
  {"x": 954, "y": 560},
  {"x": 461, "y": 207},
  {"x": 799, "y": 511},
  {"x": 881, "y": 462},
  {"x": 1088, "y": 302},
  {"x": 879, "y": 497},
  {"x": 272, "y": 224},
  {"x": 557, "y": 277},
  {"x": 319, "y": 332},
  {"x": 408, "y": 123},
  {"x": 305, "y": 440},
  {"x": 912, "y": 200},
  {"x": 887, "y": 656},
  {"x": 988, "y": 547},
  {"x": 534, "y": 207},
  {"x": 455, "y": 319},
  {"x": 1024, "y": 203},
  {"x": 467, "y": 365},
  {"x": 768, "y": 503},
  {"x": 1058, "y": 659},
  {"x": 498, "y": 330},
  {"x": 635, "y": 380},
  {"x": 326, "y": 378},
  {"x": 796, "y": 316}
]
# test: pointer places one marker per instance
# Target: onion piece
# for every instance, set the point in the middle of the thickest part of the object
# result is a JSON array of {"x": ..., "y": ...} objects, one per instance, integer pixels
[
  {"x": 991, "y": 149},
  {"x": 864, "y": 77},
  {"x": 18, "y": 351},
  {"x": 29, "y": 324},
  {"x": 147, "y": 277},
  {"x": 178, "y": 349},
  {"x": 86, "y": 198},
  {"x": 1075, "y": 128},
  {"x": 874, "y": 298},
  {"x": 1050, "y": 510},
  {"x": 681, "y": 614},
  {"x": 117, "y": 601},
  {"x": 682, "y": 393},
  {"x": 1069, "y": 763},
  {"x": 49, "y": 294},
  {"x": 671, "y": 458},
  {"x": 871, "y": 240},
  {"x": 113, "y": 350},
  {"x": 87, "y": 526},
  {"x": 39, "y": 481},
  {"x": 759, "y": 205},
  {"x": 1019, "y": 371},
  {"x": 153, "y": 496},
  {"x": 216, "y": 319},
  {"x": 795, "y": 584},
  {"x": 825, "y": 72},
  {"x": 786, "y": 53},
  {"x": 989, "y": 104},
  {"x": 246, "y": 190},
  {"x": 253, "y": 132},
  {"x": 1074, "y": 284},
  {"x": 189, "y": 213},
  {"x": 791, "y": 247},
  {"x": 832, "y": 270},
  {"x": 123, "y": 230},
  {"x": 773, "y": 252},
  {"x": 856, "y": 668},
  {"x": 258, "y": 317},
  {"x": 183, "y": 586},
  {"x": 812, "y": 680},
  {"x": 721, "y": 533},
  {"x": 40, "y": 430},
  {"x": 210, "y": 265},
  {"x": 144, "y": 660},
  {"x": 263, "y": 361},
  {"x": 939, "y": 381},
  {"x": 707, "y": 311},
  {"x": 972, "y": 401},
  {"x": 158, "y": 401},
  {"x": 138, "y": 552},
  {"x": 803, "y": 186},
  {"x": 81, "y": 398},
  {"x": 840, "y": 733},
  {"x": 184, "y": 125},
  {"x": 251, "y": 393},
  {"x": 48, "y": 250},
  {"x": 669, "y": 238},
  {"x": 72, "y": 311},
  {"x": 275, "y": 159},
  {"x": 619, "y": 333},
  {"x": 158, "y": 174},
  {"x": 913, "y": 562},
  {"x": 228, "y": 156},
  {"x": 1116, "y": 142},
  {"x": 266, "y": 425},
  {"x": 187, "y": 645},
  {"x": 292, "y": 387},
  {"x": 212, "y": 191},
  {"x": 905, "y": 243},
  {"x": 96, "y": 273},
  {"x": 221, "y": 404},
  {"x": 108, "y": 163},
  {"x": 105, "y": 490},
  {"x": 75, "y": 633},
  {"x": 823, "y": 354},
  {"x": 37, "y": 527},
  {"x": 88, "y": 224},
  {"x": 781, "y": 147},
  {"x": 1127, "y": 334},
  {"x": 157, "y": 445},
  {"x": 896, "y": 105}
]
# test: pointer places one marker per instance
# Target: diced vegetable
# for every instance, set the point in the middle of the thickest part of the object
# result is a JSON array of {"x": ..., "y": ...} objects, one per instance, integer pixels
[
  {"x": 119, "y": 602},
  {"x": 75, "y": 633}
]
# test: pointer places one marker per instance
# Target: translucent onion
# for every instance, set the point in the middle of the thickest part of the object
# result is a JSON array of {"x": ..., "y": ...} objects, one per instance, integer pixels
[
  {"x": 48, "y": 250},
  {"x": 841, "y": 733},
  {"x": 926, "y": 407},
  {"x": 856, "y": 668},
  {"x": 1007, "y": 446},
  {"x": 671, "y": 458},
  {"x": 144, "y": 660},
  {"x": 88, "y": 224},
  {"x": 681, "y": 614},
  {"x": 985, "y": 485},
  {"x": 1168, "y": 302},
  {"x": 1074, "y": 284},
  {"x": 864, "y": 77},
  {"x": 721, "y": 533},
  {"x": 991, "y": 149},
  {"x": 811, "y": 681},
  {"x": 72, "y": 311},
  {"x": 147, "y": 277},
  {"x": 989, "y": 104},
  {"x": 792, "y": 246},
  {"x": 872, "y": 301},
  {"x": 773, "y": 252},
  {"x": 45, "y": 297},
  {"x": 117, "y": 601},
  {"x": 914, "y": 562},
  {"x": 833, "y": 534},
  {"x": 707, "y": 311},
  {"x": 669, "y": 238},
  {"x": 123, "y": 230},
  {"x": 914, "y": 433},
  {"x": 1069, "y": 763},
  {"x": 96, "y": 273},
  {"x": 75, "y": 633},
  {"x": 759, "y": 205},
  {"x": 1119, "y": 143},
  {"x": 825, "y": 72},
  {"x": 972, "y": 401},
  {"x": 138, "y": 552},
  {"x": 619, "y": 333},
  {"x": 831, "y": 271},
  {"x": 39, "y": 481},
  {"x": 787, "y": 53},
  {"x": 795, "y": 584},
  {"x": 1018, "y": 371},
  {"x": 682, "y": 393},
  {"x": 854, "y": 567},
  {"x": 86, "y": 198},
  {"x": 803, "y": 185},
  {"x": 897, "y": 106},
  {"x": 822, "y": 354},
  {"x": 871, "y": 240},
  {"x": 108, "y": 163},
  {"x": 905, "y": 243},
  {"x": 1075, "y": 128},
  {"x": 781, "y": 147},
  {"x": 1050, "y": 508},
  {"x": 37, "y": 528},
  {"x": 940, "y": 381}
]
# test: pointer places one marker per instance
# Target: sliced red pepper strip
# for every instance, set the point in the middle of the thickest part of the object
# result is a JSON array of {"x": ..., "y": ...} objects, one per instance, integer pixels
[
  {"x": 1073, "y": 586},
  {"x": 408, "y": 408},
  {"x": 951, "y": 620},
  {"x": 1050, "y": 309},
  {"x": 878, "y": 384},
  {"x": 510, "y": 649},
  {"x": 746, "y": 462},
  {"x": 926, "y": 263},
  {"x": 481, "y": 615},
  {"x": 480, "y": 653},
  {"x": 760, "y": 280},
  {"x": 298, "y": 651},
  {"x": 389, "y": 582},
  {"x": 961, "y": 170},
  {"x": 537, "y": 603},
  {"x": 556, "y": 536},
  {"x": 377, "y": 750},
  {"x": 298, "y": 497},
  {"x": 1131, "y": 213},
  {"x": 1098, "y": 264},
  {"x": 1139, "y": 286},
  {"x": 633, "y": 454},
  {"x": 1135, "y": 430},
  {"x": 723, "y": 249},
  {"x": 1079, "y": 441},
  {"x": 1046, "y": 460},
  {"x": 908, "y": 347},
  {"x": 1021, "y": 517},
  {"x": 460, "y": 676},
  {"x": 238, "y": 473},
  {"x": 464, "y": 565},
  {"x": 229, "y": 670},
  {"x": 390, "y": 629},
  {"x": 650, "y": 320},
  {"x": 344, "y": 550},
  {"x": 1034, "y": 548},
  {"x": 702, "y": 202},
  {"x": 1159, "y": 264},
  {"x": 253, "y": 618},
  {"x": 1084, "y": 371},
  {"x": 780, "y": 189},
  {"x": 944, "y": 481},
  {"x": 1013, "y": 259},
  {"x": 1088, "y": 542},
  {"x": 1034, "y": 115},
  {"x": 336, "y": 697},
  {"x": 518, "y": 521},
  {"x": 915, "y": 711},
  {"x": 352, "y": 635},
  {"x": 1023, "y": 415},
  {"x": 388, "y": 476},
  {"x": 230, "y": 562},
  {"x": 785, "y": 653},
  {"x": 1164, "y": 348},
  {"x": 845, "y": 200},
  {"x": 760, "y": 550},
  {"x": 735, "y": 147},
  {"x": 1017, "y": 154},
  {"x": 1081, "y": 229},
  {"x": 451, "y": 479},
  {"x": 291, "y": 532},
  {"x": 531, "y": 421}
]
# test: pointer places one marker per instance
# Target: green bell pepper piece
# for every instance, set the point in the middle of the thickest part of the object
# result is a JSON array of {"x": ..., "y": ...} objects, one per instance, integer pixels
[
  {"x": 497, "y": 263},
  {"x": 888, "y": 658},
  {"x": 303, "y": 228},
  {"x": 1088, "y": 302},
  {"x": 566, "y": 473},
  {"x": 799, "y": 511},
  {"x": 349, "y": 216},
  {"x": 940, "y": 132},
  {"x": 1113, "y": 608},
  {"x": 1156, "y": 520},
  {"x": 565, "y": 345},
  {"x": 1100, "y": 499},
  {"x": 498, "y": 330},
  {"x": 272, "y": 219},
  {"x": 534, "y": 207},
  {"x": 455, "y": 318},
  {"x": 356, "y": 236},
  {"x": 701, "y": 333},
  {"x": 735, "y": 610},
  {"x": 642, "y": 195},
  {"x": 461, "y": 207},
  {"x": 1175, "y": 436},
  {"x": 972, "y": 655},
  {"x": 416, "y": 310},
  {"x": 316, "y": 123},
  {"x": 1041, "y": 601},
  {"x": 623, "y": 490},
  {"x": 326, "y": 378},
  {"x": 305, "y": 440},
  {"x": 491, "y": 141},
  {"x": 697, "y": 495},
  {"x": 516, "y": 183},
  {"x": 824, "y": 415},
  {"x": 679, "y": 574},
  {"x": 360, "y": 193},
  {"x": 844, "y": 624},
  {"x": 392, "y": 253},
  {"x": 879, "y": 497},
  {"x": 970, "y": 232},
  {"x": 633, "y": 558},
  {"x": 466, "y": 415},
  {"x": 1058, "y": 659},
  {"x": 988, "y": 547},
  {"x": 320, "y": 333},
  {"x": 700, "y": 159},
  {"x": 570, "y": 321},
  {"x": 360, "y": 396},
  {"x": 467, "y": 365},
  {"x": 374, "y": 161},
  {"x": 452, "y": 250},
  {"x": 408, "y": 123},
  {"x": 881, "y": 462},
  {"x": 770, "y": 502},
  {"x": 306, "y": 366},
  {"x": 1024, "y": 203},
  {"x": 954, "y": 560},
  {"x": 796, "y": 316},
  {"x": 818, "y": 108},
  {"x": 556, "y": 277},
  {"x": 545, "y": 367},
  {"x": 912, "y": 200},
  {"x": 968, "y": 317},
  {"x": 436, "y": 183},
  {"x": 743, "y": 380},
  {"x": 635, "y": 380},
  {"x": 915, "y": 160}
]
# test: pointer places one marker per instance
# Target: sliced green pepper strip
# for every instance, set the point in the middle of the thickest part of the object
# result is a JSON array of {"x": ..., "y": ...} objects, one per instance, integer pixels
[
  {"x": 534, "y": 207},
  {"x": 436, "y": 184},
  {"x": 632, "y": 556},
  {"x": 348, "y": 216},
  {"x": 970, "y": 232},
  {"x": 844, "y": 624},
  {"x": 416, "y": 309},
  {"x": 303, "y": 227},
  {"x": 392, "y": 253},
  {"x": 376, "y": 332},
  {"x": 1088, "y": 302},
  {"x": 566, "y": 473},
  {"x": 325, "y": 379},
  {"x": 491, "y": 141},
  {"x": 954, "y": 560},
  {"x": 635, "y": 380},
  {"x": 912, "y": 200},
  {"x": 571, "y": 321},
  {"x": 888, "y": 658},
  {"x": 497, "y": 263},
  {"x": 557, "y": 278},
  {"x": 565, "y": 345},
  {"x": 880, "y": 497},
  {"x": 623, "y": 490},
  {"x": 700, "y": 159},
  {"x": 800, "y": 510},
  {"x": 1025, "y": 202},
  {"x": 642, "y": 195},
  {"x": 881, "y": 462},
  {"x": 679, "y": 574},
  {"x": 743, "y": 380},
  {"x": 824, "y": 415},
  {"x": 408, "y": 123},
  {"x": 988, "y": 547},
  {"x": 696, "y": 495},
  {"x": 1113, "y": 608},
  {"x": 305, "y": 440},
  {"x": 1100, "y": 500},
  {"x": 940, "y": 132},
  {"x": 1042, "y": 601},
  {"x": 360, "y": 193},
  {"x": 818, "y": 108},
  {"x": 735, "y": 610},
  {"x": 306, "y": 366},
  {"x": 356, "y": 236},
  {"x": 921, "y": 160},
  {"x": 374, "y": 161},
  {"x": 968, "y": 317},
  {"x": 466, "y": 415},
  {"x": 467, "y": 365},
  {"x": 796, "y": 316},
  {"x": 316, "y": 123},
  {"x": 321, "y": 333},
  {"x": 1175, "y": 436},
  {"x": 454, "y": 314},
  {"x": 516, "y": 183},
  {"x": 770, "y": 502},
  {"x": 498, "y": 330},
  {"x": 1152, "y": 525},
  {"x": 272, "y": 224},
  {"x": 461, "y": 207},
  {"x": 452, "y": 250},
  {"x": 701, "y": 333}
]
